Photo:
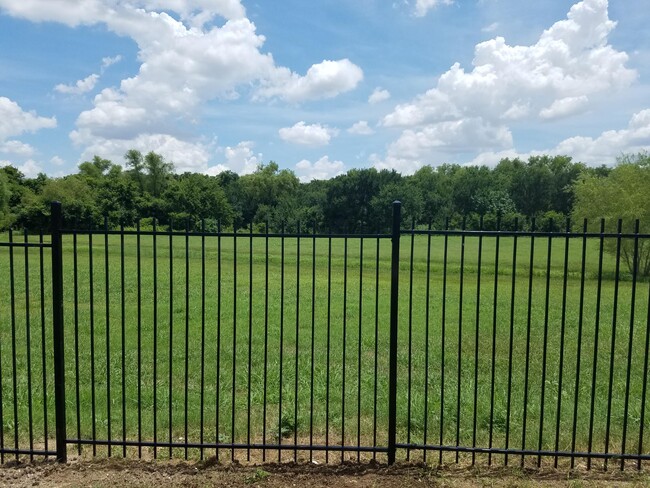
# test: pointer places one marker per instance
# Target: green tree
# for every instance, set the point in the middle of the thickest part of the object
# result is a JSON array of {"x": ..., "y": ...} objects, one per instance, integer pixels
[
  {"x": 623, "y": 194},
  {"x": 466, "y": 183},
  {"x": 197, "y": 197},
  {"x": 158, "y": 172},
  {"x": 349, "y": 204},
  {"x": 96, "y": 168},
  {"x": 493, "y": 201},
  {"x": 135, "y": 163},
  {"x": 435, "y": 189},
  {"x": 4, "y": 200},
  {"x": 18, "y": 195},
  {"x": 117, "y": 198},
  {"x": 268, "y": 194}
]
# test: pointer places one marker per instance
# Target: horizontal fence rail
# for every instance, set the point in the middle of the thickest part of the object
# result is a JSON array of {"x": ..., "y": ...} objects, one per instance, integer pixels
[{"x": 435, "y": 344}]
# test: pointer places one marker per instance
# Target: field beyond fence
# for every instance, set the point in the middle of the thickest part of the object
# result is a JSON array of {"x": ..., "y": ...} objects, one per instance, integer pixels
[{"x": 435, "y": 344}]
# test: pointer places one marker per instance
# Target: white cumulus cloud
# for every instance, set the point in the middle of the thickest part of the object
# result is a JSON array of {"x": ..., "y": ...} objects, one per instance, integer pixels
[
  {"x": 89, "y": 82},
  {"x": 16, "y": 147},
  {"x": 241, "y": 159},
  {"x": 322, "y": 169},
  {"x": 323, "y": 80},
  {"x": 612, "y": 143},
  {"x": 422, "y": 7},
  {"x": 74, "y": 13},
  {"x": 564, "y": 107},
  {"x": 594, "y": 151},
  {"x": 308, "y": 135},
  {"x": 378, "y": 95},
  {"x": 560, "y": 75},
  {"x": 191, "y": 52},
  {"x": 490, "y": 28},
  {"x": 80, "y": 87},
  {"x": 572, "y": 59},
  {"x": 110, "y": 61},
  {"x": 14, "y": 121},
  {"x": 361, "y": 128},
  {"x": 186, "y": 156},
  {"x": 414, "y": 148}
]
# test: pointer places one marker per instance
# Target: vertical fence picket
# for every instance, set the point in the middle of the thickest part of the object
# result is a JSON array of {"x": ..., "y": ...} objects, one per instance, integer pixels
[
  {"x": 139, "y": 332},
  {"x": 579, "y": 341},
  {"x": 2, "y": 417},
  {"x": 547, "y": 300},
  {"x": 279, "y": 435},
  {"x": 187, "y": 335},
  {"x": 108, "y": 338},
  {"x": 170, "y": 402},
  {"x": 459, "y": 356},
  {"x": 426, "y": 343},
  {"x": 313, "y": 344},
  {"x": 528, "y": 332},
  {"x": 75, "y": 284},
  {"x": 58, "y": 337},
  {"x": 596, "y": 342},
  {"x": 28, "y": 346},
  {"x": 613, "y": 342},
  {"x": 266, "y": 337},
  {"x": 511, "y": 334},
  {"x": 443, "y": 324},
  {"x": 202, "y": 387},
  {"x": 344, "y": 344},
  {"x": 558, "y": 410},
  {"x": 394, "y": 311},
  {"x": 218, "y": 365},
  {"x": 41, "y": 256},
  {"x": 376, "y": 360},
  {"x": 645, "y": 383},
  {"x": 477, "y": 329},
  {"x": 630, "y": 340},
  {"x": 91, "y": 299},
  {"x": 296, "y": 351},
  {"x": 409, "y": 379},
  {"x": 14, "y": 355},
  {"x": 328, "y": 348},
  {"x": 493, "y": 365},
  {"x": 250, "y": 338},
  {"x": 233, "y": 407},
  {"x": 123, "y": 335},
  {"x": 155, "y": 338},
  {"x": 359, "y": 350}
]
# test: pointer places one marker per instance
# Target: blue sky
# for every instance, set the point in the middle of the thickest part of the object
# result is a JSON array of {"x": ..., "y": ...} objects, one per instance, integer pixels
[{"x": 322, "y": 86}]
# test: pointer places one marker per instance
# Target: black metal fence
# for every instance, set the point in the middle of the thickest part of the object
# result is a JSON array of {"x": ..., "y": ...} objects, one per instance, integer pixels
[{"x": 470, "y": 344}]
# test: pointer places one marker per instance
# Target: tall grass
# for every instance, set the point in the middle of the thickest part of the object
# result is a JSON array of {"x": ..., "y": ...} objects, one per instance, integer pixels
[{"x": 186, "y": 350}]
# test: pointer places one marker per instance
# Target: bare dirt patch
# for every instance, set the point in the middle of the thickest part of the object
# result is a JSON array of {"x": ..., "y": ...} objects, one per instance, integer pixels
[{"x": 160, "y": 474}]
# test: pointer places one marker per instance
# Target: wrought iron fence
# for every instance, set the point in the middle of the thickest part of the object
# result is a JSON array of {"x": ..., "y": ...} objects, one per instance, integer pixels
[{"x": 470, "y": 344}]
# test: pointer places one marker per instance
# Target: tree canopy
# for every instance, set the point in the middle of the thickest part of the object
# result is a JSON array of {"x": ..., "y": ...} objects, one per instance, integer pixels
[
  {"x": 145, "y": 186},
  {"x": 622, "y": 194}
]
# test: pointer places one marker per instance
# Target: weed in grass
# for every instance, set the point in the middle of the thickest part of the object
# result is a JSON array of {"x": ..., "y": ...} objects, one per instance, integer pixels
[{"x": 258, "y": 476}]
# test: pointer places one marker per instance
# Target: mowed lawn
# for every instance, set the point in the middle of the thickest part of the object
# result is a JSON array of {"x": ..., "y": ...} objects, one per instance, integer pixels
[{"x": 182, "y": 346}]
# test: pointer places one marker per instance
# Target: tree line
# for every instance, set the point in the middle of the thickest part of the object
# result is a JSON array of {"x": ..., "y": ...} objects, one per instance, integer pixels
[{"x": 145, "y": 187}]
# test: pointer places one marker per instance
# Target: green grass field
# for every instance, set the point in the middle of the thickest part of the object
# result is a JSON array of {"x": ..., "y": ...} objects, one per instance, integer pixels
[{"x": 346, "y": 316}]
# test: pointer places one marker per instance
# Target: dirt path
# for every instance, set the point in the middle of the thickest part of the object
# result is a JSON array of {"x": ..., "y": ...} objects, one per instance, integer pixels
[{"x": 112, "y": 473}]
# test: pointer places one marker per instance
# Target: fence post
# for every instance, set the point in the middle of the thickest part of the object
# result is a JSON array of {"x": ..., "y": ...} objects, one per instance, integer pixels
[
  {"x": 394, "y": 298},
  {"x": 57, "y": 310}
]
